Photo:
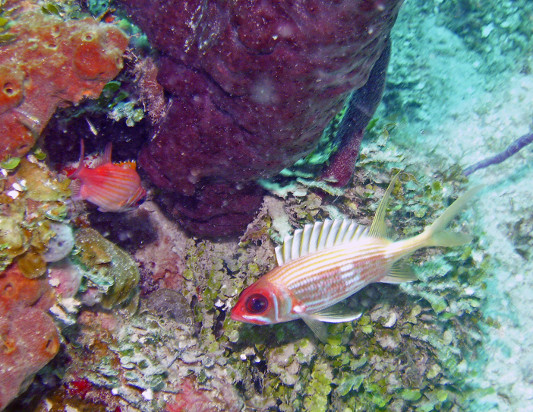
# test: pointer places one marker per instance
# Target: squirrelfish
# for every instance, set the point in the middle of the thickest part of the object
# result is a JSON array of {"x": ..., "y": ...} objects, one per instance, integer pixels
[
  {"x": 113, "y": 187},
  {"x": 326, "y": 262}
]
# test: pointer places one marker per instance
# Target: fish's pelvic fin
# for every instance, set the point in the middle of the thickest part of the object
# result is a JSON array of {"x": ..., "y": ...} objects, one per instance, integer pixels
[
  {"x": 320, "y": 329},
  {"x": 435, "y": 235},
  {"x": 379, "y": 228},
  {"x": 399, "y": 273}
]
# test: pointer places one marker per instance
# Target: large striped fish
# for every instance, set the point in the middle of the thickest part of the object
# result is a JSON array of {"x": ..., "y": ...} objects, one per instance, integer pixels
[
  {"x": 323, "y": 264},
  {"x": 113, "y": 187}
]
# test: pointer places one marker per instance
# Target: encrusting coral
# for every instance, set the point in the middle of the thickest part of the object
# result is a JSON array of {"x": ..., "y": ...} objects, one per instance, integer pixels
[
  {"x": 28, "y": 336},
  {"x": 47, "y": 62}
]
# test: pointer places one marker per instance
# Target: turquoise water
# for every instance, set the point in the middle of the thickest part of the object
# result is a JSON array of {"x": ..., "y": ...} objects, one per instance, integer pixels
[{"x": 470, "y": 67}]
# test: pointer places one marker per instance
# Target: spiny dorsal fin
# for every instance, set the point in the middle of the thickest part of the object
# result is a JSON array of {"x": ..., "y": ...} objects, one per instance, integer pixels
[
  {"x": 318, "y": 236},
  {"x": 379, "y": 228}
]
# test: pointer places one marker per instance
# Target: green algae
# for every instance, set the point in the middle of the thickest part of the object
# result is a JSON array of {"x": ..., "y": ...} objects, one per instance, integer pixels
[
  {"x": 10, "y": 163},
  {"x": 107, "y": 267}
]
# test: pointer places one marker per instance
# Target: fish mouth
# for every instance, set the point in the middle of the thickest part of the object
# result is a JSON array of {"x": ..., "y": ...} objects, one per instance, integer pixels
[
  {"x": 253, "y": 319},
  {"x": 236, "y": 316}
]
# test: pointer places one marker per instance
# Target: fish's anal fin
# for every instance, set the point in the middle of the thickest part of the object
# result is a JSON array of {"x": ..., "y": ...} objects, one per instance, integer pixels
[
  {"x": 379, "y": 228},
  {"x": 320, "y": 329},
  {"x": 399, "y": 273},
  {"x": 336, "y": 314}
]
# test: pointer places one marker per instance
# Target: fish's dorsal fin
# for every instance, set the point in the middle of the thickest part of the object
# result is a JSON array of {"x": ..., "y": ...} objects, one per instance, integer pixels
[
  {"x": 318, "y": 236},
  {"x": 127, "y": 164},
  {"x": 81, "y": 162},
  {"x": 106, "y": 157},
  {"x": 378, "y": 227}
]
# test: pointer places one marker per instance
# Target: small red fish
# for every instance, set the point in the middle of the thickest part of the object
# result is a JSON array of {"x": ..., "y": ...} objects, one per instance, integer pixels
[{"x": 113, "y": 187}]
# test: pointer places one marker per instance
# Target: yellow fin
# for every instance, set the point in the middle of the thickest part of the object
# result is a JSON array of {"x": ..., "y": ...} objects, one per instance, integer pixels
[
  {"x": 399, "y": 273},
  {"x": 379, "y": 228},
  {"x": 436, "y": 235}
]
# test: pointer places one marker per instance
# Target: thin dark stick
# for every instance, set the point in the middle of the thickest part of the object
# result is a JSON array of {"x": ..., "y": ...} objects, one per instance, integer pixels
[{"x": 513, "y": 148}]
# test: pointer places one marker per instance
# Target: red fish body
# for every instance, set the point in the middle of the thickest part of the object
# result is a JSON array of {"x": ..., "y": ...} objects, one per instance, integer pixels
[
  {"x": 327, "y": 262},
  {"x": 113, "y": 187}
]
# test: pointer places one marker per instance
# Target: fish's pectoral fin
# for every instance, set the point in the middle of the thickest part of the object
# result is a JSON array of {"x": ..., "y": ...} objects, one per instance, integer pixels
[
  {"x": 399, "y": 273},
  {"x": 320, "y": 329}
]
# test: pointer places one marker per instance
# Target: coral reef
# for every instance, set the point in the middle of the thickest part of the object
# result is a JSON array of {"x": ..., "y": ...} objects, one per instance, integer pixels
[
  {"x": 48, "y": 62},
  {"x": 252, "y": 88},
  {"x": 168, "y": 344},
  {"x": 28, "y": 336},
  {"x": 32, "y": 200},
  {"x": 37, "y": 273},
  {"x": 409, "y": 350}
]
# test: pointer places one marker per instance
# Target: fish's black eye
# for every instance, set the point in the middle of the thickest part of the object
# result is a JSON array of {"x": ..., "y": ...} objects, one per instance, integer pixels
[{"x": 256, "y": 303}]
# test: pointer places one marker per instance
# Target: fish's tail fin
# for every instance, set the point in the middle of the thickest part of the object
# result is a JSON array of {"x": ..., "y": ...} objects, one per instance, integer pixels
[{"x": 437, "y": 235}]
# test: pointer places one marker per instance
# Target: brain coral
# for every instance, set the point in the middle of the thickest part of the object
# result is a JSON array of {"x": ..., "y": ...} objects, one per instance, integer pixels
[
  {"x": 253, "y": 84},
  {"x": 46, "y": 63}
]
